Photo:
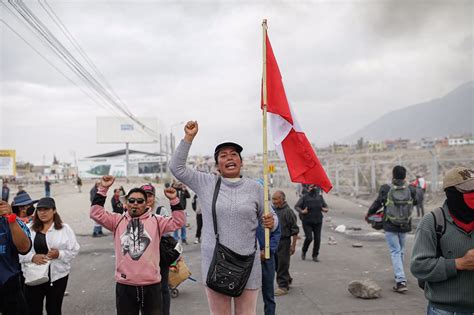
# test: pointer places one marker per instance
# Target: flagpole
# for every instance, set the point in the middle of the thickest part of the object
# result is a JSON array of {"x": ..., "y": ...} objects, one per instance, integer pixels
[{"x": 266, "y": 198}]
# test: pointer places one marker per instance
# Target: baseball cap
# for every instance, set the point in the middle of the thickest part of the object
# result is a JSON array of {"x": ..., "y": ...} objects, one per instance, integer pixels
[
  {"x": 461, "y": 178},
  {"x": 47, "y": 203},
  {"x": 148, "y": 188},
  {"x": 234, "y": 145}
]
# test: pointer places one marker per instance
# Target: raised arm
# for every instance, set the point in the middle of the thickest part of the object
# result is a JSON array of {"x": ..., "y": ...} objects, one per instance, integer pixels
[
  {"x": 176, "y": 221},
  {"x": 98, "y": 212},
  {"x": 18, "y": 230},
  {"x": 192, "y": 178}
]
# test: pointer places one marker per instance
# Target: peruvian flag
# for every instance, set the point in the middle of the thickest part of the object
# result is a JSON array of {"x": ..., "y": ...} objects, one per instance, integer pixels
[{"x": 290, "y": 141}]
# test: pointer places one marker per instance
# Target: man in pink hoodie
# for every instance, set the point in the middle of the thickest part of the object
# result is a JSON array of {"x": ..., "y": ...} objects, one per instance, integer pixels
[{"x": 137, "y": 235}]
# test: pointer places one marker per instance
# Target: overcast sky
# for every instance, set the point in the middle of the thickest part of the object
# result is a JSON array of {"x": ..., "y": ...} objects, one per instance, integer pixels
[{"x": 344, "y": 64}]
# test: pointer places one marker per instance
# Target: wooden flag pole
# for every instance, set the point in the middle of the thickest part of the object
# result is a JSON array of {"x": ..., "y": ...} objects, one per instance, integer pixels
[{"x": 266, "y": 198}]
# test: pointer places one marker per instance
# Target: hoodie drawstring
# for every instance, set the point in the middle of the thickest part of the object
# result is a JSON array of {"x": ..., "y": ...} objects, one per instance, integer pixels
[{"x": 142, "y": 299}]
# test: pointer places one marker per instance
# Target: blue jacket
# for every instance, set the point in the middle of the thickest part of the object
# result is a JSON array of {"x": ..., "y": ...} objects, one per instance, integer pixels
[{"x": 274, "y": 238}]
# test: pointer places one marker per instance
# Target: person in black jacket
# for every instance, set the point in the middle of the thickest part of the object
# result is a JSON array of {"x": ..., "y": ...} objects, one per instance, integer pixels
[
  {"x": 117, "y": 205},
  {"x": 183, "y": 194},
  {"x": 287, "y": 244},
  {"x": 395, "y": 230},
  {"x": 310, "y": 208}
]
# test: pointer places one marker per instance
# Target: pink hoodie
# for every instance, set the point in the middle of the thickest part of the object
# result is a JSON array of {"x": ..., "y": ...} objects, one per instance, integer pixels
[{"x": 137, "y": 241}]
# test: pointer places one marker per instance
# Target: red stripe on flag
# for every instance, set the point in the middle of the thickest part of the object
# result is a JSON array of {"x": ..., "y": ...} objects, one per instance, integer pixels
[{"x": 303, "y": 164}]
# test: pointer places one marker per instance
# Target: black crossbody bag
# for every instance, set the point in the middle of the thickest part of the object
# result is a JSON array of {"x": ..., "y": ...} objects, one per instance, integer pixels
[{"x": 229, "y": 271}]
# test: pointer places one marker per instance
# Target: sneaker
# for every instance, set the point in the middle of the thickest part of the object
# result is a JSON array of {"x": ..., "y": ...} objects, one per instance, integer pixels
[
  {"x": 95, "y": 235},
  {"x": 303, "y": 256},
  {"x": 400, "y": 287},
  {"x": 281, "y": 291},
  {"x": 185, "y": 242},
  {"x": 196, "y": 241},
  {"x": 315, "y": 259}
]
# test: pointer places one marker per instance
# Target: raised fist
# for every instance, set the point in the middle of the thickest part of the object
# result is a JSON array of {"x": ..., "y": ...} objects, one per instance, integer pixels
[
  {"x": 171, "y": 193},
  {"x": 190, "y": 130},
  {"x": 107, "y": 181}
]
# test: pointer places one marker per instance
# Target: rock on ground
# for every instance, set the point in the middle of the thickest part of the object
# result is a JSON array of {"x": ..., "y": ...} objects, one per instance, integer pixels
[{"x": 364, "y": 289}]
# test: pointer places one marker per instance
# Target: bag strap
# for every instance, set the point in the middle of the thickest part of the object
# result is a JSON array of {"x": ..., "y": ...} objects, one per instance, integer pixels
[
  {"x": 440, "y": 228},
  {"x": 214, "y": 200}
]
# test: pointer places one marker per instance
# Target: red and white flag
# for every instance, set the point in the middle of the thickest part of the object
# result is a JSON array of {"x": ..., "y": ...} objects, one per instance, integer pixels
[{"x": 290, "y": 141}]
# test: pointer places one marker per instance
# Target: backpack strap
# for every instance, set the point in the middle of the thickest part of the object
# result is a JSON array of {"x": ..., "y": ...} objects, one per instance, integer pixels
[{"x": 440, "y": 228}]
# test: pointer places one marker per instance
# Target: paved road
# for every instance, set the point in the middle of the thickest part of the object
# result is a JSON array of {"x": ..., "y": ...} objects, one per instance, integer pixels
[{"x": 318, "y": 288}]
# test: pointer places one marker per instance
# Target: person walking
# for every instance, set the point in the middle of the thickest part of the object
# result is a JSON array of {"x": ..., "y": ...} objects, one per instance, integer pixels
[
  {"x": 54, "y": 242},
  {"x": 14, "y": 240},
  {"x": 5, "y": 192},
  {"x": 97, "y": 230},
  {"x": 183, "y": 194},
  {"x": 196, "y": 205},
  {"x": 79, "y": 184},
  {"x": 137, "y": 235},
  {"x": 47, "y": 187},
  {"x": 420, "y": 186},
  {"x": 310, "y": 208},
  {"x": 238, "y": 208},
  {"x": 397, "y": 201},
  {"x": 287, "y": 245},
  {"x": 443, "y": 251}
]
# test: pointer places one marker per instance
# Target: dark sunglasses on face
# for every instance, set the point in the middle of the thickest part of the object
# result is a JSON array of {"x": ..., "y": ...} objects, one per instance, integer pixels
[{"x": 133, "y": 200}]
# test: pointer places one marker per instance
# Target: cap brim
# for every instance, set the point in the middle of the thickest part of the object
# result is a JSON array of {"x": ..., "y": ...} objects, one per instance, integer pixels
[
  {"x": 234, "y": 145},
  {"x": 25, "y": 203},
  {"x": 466, "y": 186}
]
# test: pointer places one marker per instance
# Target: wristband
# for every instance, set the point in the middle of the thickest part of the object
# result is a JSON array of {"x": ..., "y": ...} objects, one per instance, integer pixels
[
  {"x": 11, "y": 218},
  {"x": 174, "y": 202}
]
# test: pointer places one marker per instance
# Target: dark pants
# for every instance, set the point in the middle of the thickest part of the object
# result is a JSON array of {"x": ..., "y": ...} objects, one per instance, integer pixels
[
  {"x": 130, "y": 299},
  {"x": 54, "y": 293},
  {"x": 165, "y": 290},
  {"x": 199, "y": 225},
  {"x": 12, "y": 299},
  {"x": 268, "y": 277},
  {"x": 311, "y": 229},
  {"x": 283, "y": 263},
  {"x": 420, "y": 208}
]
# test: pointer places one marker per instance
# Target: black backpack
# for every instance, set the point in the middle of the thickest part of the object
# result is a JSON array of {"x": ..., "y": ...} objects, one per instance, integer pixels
[{"x": 440, "y": 228}]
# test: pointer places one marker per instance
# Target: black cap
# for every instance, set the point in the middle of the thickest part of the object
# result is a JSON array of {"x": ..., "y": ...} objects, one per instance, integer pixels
[
  {"x": 234, "y": 145},
  {"x": 47, "y": 203}
]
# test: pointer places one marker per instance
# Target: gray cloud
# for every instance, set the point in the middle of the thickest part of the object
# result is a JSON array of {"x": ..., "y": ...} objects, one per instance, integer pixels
[{"x": 343, "y": 65}]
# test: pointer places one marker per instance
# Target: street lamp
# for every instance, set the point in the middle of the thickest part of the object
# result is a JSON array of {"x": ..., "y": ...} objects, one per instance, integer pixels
[{"x": 172, "y": 139}]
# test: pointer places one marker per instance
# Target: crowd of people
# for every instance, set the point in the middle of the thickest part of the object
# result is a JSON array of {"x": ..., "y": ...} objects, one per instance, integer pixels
[{"x": 37, "y": 247}]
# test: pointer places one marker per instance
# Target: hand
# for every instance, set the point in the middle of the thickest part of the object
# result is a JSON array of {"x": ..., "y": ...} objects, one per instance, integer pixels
[
  {"x": 466, "y": 262},
  {"x": 262, "y": 255},
  {"x": 39, "y": 259},
  {"x": 107, "y": 181},
  {"x": 268, "y": 221},
  {"x": 292, "y": 249},
  {"x": 304, "y": 211},
  {"x": 190, "y": 130},
  {"x": 171, "y": 193},
  {"x": 325, "y": 209},
  {"x": 5, "y": 208},
  {"x": 53, "y": 254},
  {"x": 366, "y": 218}
]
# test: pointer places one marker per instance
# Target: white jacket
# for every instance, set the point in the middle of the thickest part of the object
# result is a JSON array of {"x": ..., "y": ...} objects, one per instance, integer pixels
[{"x": 64, "y": 240}]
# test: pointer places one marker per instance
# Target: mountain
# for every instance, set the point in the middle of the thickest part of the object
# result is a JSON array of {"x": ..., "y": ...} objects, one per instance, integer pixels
[{"x": 452, "y": 114}]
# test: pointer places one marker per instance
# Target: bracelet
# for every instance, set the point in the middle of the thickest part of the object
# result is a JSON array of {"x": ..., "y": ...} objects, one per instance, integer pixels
[{"x": 11, "y": 218}]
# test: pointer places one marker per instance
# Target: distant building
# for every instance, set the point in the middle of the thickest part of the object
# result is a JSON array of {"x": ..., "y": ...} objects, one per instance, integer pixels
[
  {"x": 426, "y": 143},
  {"x": 114, "y": 163},
  {"x": 397, "y": 144},
  {"x": 377, "y": 146},
  {"x": 457, "y": 141}
]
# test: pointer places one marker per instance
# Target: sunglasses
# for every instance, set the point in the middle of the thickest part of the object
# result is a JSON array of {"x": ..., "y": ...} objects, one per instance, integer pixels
[{"x": 138, "y": 200}]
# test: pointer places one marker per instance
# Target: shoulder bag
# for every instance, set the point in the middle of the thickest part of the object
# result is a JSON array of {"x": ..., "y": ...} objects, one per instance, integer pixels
[{"x": 229, "y": 271}]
